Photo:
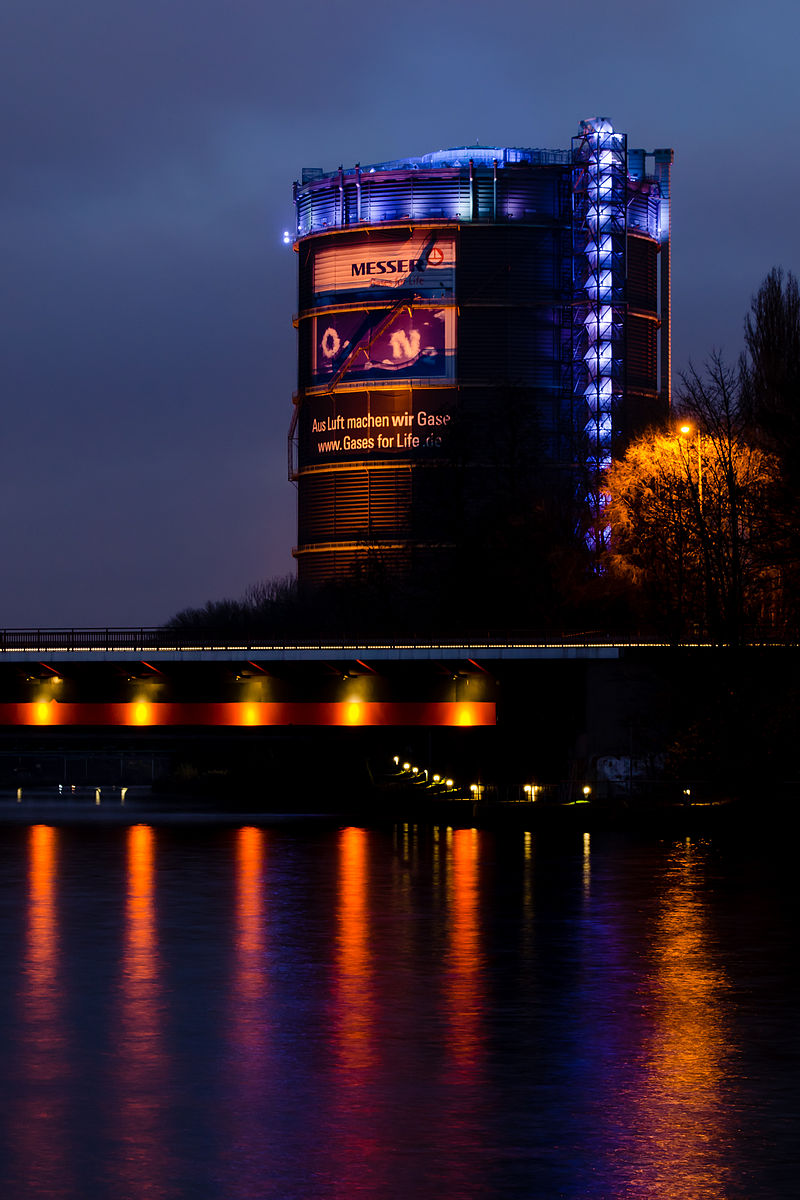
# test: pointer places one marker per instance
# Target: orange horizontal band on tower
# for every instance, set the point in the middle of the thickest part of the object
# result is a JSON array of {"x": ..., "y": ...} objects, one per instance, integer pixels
[{"x": 352, "y": 713}]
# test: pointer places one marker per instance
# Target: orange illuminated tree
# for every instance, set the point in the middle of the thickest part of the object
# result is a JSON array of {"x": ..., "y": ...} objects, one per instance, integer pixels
[{"x": 692, "y": 513}]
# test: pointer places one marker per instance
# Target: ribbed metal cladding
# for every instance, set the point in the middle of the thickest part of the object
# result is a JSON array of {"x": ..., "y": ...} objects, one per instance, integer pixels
[
  {"x": 512, "y": 287},
  {"x": 477, "y": 191},
  {"x": 642, "y": 352},
  {"x": 362, "y": 504},
  {"x": 320, "y": 564},
  {"x": 530, "y": 195},
  {"x": 519, "y": 266},
  {"x": 511, "y": 341},
  {"x": 508, "y": 344},
  {"x": 642, "y": 406},
  {"x": 642, "y": 274}
]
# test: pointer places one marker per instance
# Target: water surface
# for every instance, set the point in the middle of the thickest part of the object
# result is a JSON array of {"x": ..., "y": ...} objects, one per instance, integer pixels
[{"x": 256, "y": 1012}]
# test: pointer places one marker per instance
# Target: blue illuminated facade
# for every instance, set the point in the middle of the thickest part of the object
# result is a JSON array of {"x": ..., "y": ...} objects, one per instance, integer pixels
[
  {"x": 475, "y": 183},
  {"x": 437, "y": 294},
  {"x": 599, "y": 228}
]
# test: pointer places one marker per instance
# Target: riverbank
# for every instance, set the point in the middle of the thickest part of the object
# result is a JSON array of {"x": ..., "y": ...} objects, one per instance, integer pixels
[{"x": 140, "y": 805}]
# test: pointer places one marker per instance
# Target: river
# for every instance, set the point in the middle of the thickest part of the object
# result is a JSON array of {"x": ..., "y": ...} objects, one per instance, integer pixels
[{"x": 299, "y": 1011}]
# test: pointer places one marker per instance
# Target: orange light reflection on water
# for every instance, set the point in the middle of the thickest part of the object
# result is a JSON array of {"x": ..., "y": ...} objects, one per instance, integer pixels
[
  {"x": 464, "y": 976},
  {"x": 143, "y": 1163},
  {"x": 683, "y": 1142},
  {"x": 463, "y": 1114},
  {"x": 42, "y": 927},
  {"x": 354, "y": 999},
  {"x": 141, "y": 965},
  {"x": 248, "y": 1069},
  {"x": 40, "y": 1136},
  {"x": 250, "y": 976},
  {"x": 356, "y": 1150}
]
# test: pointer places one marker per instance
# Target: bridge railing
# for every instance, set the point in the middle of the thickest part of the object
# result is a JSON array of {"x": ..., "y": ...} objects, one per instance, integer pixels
[
  {"x": 151, "y": 639},
  {"x": 89, "y": 639},
  {"x": 144, "y": 638}
]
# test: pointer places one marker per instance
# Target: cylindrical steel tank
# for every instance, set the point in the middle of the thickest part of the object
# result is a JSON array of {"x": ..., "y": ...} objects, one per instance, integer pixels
[{"x": 436, "y": 347}]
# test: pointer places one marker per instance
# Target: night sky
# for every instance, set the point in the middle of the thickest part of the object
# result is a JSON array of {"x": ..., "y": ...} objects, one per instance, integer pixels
[{"x": 148, "y": 154}]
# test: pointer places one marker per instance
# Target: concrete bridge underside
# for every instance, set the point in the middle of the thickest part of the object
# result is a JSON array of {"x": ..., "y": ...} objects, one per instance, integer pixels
[
  {"x": 502, "y": 711},
  {"x": 55, "y": 682},
  {"x": 309, "y": 708}
]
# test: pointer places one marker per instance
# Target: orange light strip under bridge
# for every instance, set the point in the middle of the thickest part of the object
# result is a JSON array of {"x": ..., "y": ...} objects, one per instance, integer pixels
[{"x": 257, "y": 713}]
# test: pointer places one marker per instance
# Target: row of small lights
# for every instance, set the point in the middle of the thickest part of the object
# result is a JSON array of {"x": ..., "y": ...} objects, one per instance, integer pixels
[
  {"x": 407, "y": 767},
  {"x": 530, "y": 789},
  {"x": 70, "y": 790},
  {"x": 282, "y": 648}
]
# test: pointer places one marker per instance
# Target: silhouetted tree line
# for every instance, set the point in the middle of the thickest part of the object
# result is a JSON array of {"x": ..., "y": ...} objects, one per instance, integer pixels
[{"x": 270, "y": 607}]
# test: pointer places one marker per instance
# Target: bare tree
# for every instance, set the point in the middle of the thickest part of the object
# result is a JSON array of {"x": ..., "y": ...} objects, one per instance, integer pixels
[
  {"x": 690, "y": 513},
  {"x": 770, "y": 370},
  {"x": 270, "y": 607},
  {"x": 770, "y": 383}
]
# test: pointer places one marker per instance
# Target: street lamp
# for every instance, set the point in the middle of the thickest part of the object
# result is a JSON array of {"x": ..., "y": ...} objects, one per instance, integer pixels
[{"x": 686, "y": 430}]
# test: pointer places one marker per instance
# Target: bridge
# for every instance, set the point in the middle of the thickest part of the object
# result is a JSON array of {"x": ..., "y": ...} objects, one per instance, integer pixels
[
  {"x": 514, "y": 707},
  {"x": 93, "y": 642},
  {"x": 150, "y": 676},
  {"x": 129, "y": 704},
  {"x": 166, "y": 677}
]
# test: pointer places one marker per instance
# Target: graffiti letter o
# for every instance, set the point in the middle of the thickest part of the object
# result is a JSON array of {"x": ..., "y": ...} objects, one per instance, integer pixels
[{"x": 331, "y": 343}]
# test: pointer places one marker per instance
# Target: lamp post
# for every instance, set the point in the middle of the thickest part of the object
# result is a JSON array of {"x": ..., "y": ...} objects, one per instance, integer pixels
[{"x": 686, "y": 431}]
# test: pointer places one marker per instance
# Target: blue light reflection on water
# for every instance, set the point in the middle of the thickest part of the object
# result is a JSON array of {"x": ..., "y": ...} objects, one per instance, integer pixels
[{"x": 259, "y": 1012}]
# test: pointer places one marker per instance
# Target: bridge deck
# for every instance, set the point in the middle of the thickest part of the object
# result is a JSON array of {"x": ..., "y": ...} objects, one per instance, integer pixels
[{"x": 83, "y": 645}]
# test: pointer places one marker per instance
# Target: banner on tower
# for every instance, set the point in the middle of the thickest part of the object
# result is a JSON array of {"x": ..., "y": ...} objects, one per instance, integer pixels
[
  {"x": 390, "y": 345},
  {"x": 422, "y": 265}
]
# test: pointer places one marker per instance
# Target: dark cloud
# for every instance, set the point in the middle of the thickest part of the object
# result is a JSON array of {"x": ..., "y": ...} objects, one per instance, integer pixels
[{"x": 148, "y": 153}]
